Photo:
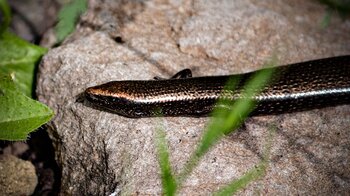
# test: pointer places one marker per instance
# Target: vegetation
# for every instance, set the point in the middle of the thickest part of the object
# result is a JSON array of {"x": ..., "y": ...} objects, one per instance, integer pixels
[
  {"x": 222, "y": 123},
  {"x": 339, "y": 7},
  {"x": 67, "y": 17},
  {"x": 20, "y": 114}
]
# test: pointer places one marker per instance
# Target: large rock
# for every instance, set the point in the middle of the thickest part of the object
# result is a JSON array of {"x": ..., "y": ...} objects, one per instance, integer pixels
[{"x": 102, "y": 153}]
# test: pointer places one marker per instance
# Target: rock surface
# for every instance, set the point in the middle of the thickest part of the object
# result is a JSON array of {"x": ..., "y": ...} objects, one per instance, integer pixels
[
  {"x": 102, "y": 153},
  {"x": 17, "y": 177}
]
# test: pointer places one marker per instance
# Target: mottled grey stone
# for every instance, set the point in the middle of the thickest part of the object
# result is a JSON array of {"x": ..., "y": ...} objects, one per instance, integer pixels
[{"x": 102, "y": 153}]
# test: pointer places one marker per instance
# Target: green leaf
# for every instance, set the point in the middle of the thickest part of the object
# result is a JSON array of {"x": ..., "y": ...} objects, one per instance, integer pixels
[
  {"x": 68, "y": 17},
  {"x": 341, "y": 7},
  {"x": 6, "y": 14},
  {"x": 19, "y": 114},
  {"x": 326, "y": 19},
  {"x": 18, "y": 59},
  {"x": 228, "y": 117},
  {"x": 168, "y": 179},
  {"x": 243, "y": 181},
  {"x": 253, "y": 174}
]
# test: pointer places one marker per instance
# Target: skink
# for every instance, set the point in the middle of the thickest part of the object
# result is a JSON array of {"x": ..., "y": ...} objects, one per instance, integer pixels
[{"x": 294, "y": 87}]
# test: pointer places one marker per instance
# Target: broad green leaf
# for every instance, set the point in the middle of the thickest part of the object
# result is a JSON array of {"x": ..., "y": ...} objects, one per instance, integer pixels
[
  {"x": 19, "y": 114},
  {"x": 18, "y": 58},
  {"x": 68, "y": 17}
]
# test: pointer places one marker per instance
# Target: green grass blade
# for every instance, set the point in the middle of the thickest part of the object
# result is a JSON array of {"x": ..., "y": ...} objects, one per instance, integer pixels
[
  {"x": 326, "y": 19},
  {"x": 225, "y": 121},
  {"x": 168, "y": 180},
  {"x": 254, "y": 173},
  {"x": 339, "y": 7},
  {"x": 68, "y": 16},
  {"x": 6, "y": 14},
  {"x": 243, "y": 181},
  {"x": 342, "y": 7}
]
